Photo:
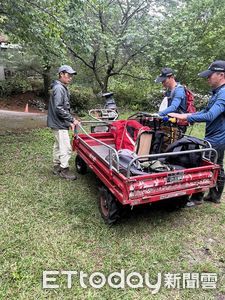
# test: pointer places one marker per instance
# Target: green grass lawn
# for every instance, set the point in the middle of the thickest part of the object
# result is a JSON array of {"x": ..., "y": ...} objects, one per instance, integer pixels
[{"x": 51, "y": 224}]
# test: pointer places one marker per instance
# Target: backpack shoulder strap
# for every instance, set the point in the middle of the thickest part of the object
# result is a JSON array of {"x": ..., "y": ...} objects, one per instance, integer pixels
[{"x": 174, "y": 89}]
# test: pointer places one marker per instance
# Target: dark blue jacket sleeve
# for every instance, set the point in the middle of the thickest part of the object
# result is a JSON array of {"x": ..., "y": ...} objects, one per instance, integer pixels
[
  {"x": 179, "y": 95},
  {"x": 209, "y": 115}
]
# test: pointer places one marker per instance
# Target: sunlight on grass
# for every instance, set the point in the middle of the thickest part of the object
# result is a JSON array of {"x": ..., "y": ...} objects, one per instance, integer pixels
[{"x": 51, "y": 224}]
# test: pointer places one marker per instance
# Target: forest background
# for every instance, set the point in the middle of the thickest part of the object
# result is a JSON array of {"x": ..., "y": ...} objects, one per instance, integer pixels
[{"x": 115, "y": 45}]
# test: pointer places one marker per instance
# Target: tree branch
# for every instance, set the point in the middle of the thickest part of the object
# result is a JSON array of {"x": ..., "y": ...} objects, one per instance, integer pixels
[
  {"x": 130, "y": 58},
  {"x": 127, "y": 17},
  {"x": 103, "y": 31},
  {"x": 130, "y": 75},
  {"x": 44, "y": 10},
  {"x": 96, "y": 13},
  {"x": 79, "y": 57}
]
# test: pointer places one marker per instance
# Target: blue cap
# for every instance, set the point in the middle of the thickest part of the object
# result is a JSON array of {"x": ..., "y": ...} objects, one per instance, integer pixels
[
  {"x": 165, "y": 73},
  {"x": 216, "y": 66}
]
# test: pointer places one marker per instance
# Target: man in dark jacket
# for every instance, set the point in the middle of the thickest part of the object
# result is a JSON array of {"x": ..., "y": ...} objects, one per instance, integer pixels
[
  {"x": 60, "y": 120},
  {"x": 214, "y": 116}
]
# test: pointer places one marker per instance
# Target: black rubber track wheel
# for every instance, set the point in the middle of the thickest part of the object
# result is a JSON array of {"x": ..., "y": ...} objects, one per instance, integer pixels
[{"x": 80, "y": 165}]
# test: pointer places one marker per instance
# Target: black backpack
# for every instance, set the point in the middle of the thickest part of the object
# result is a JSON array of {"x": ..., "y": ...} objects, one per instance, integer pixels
[
  {"x": 190, "y": 160},
  {"x": 157, "y": 142}
]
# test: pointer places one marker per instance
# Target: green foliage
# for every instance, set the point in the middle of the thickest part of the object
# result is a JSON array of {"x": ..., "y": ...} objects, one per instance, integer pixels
[
  {"x": 81, "y": 98},
  {"x": 36, "y": 84},
  {"x": 137, "y": 95},
  {"x": 37, "y": 23},
  {"x": 201, "y": 101},
  {"x": 121, "y": 39},
  {"x": 15, "y": 85},
  {"x": 37, "y": 26},
  {"x": 135, "y": 101},
  {"x": 190, "y": 40}
]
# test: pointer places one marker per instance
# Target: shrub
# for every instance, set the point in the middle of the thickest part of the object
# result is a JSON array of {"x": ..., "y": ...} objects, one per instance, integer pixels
[
  {"x": 81, "y": 98},
  {"x": 137, "y": 97},
  {"x": 36, "y": 84},
  {"x": 15, "y": 85},
  {"x": 201, "y": 101}
]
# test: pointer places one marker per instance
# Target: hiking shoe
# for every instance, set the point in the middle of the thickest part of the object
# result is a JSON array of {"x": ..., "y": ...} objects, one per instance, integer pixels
[
  {"x": 67, "y": 174},
  {"x": 198, "y": 202},
  {"x": 209, "y": 198},
  {"x": 56, "y": 170}
]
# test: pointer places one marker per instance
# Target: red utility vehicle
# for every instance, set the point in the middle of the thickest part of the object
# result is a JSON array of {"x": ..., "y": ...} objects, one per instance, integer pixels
[{"x": 125, "y": 187}]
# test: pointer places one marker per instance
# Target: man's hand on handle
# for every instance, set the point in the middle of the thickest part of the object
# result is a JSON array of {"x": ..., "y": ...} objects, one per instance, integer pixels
[
  {"x": 75, "y": 123},
  {"x": 178, "y": 116}
]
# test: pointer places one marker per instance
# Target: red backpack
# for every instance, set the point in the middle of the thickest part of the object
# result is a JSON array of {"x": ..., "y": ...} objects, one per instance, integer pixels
[
  {"x": 126, "y": 133},
  {"x": 190, "y": 107}
]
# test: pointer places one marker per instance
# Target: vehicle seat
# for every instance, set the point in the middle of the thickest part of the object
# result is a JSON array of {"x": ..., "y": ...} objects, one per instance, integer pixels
[
  {"x": 149, "y": 142},
  {"x": 144, "y": 143}
]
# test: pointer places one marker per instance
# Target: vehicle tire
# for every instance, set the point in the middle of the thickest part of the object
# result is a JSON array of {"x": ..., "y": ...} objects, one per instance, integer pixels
[
  {"x": 109, "y": 207},
  {"x": 80, "y": 165}
]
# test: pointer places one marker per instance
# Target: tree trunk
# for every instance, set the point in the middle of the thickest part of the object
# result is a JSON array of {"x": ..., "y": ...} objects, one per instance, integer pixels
[
  {"x": 105, "y": 84},
  {"x": 47, "y": 80}
]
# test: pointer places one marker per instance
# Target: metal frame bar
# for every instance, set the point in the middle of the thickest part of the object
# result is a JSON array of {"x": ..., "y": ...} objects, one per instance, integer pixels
[
  {"x": 172, "y": 154},
  {"x": 111, "y": 149}
]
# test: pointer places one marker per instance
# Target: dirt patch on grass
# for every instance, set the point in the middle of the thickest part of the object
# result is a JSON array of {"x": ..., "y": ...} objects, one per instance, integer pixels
[{"x": 19, "y": 102}]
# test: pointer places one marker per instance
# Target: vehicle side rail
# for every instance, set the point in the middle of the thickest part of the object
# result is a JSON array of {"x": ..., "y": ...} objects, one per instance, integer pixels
[
  {"x": 113, "y": 155},
  {"x": 96, "y": 122},
  {"x": 160, "y": 155}
]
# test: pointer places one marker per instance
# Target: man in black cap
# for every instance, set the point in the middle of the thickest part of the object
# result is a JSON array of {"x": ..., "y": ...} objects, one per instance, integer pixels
[
  {"x": 60, "y": 120},
  {"x": 214, "y": 116},
  {"x": 175, "y": 92}
]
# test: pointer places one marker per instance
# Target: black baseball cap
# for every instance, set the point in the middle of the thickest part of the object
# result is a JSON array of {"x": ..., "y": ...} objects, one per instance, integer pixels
[
  {"x": 165, "y": 73},
  {"x": 216, "y": 66}
]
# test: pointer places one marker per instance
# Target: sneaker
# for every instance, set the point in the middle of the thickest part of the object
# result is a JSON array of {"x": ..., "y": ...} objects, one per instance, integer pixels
[
  {"x": 190, "y": 204},
  {"x": 67, "y": 174},
  {"x": 56, "y": 170},
  {"x": 194, "y": 202}
]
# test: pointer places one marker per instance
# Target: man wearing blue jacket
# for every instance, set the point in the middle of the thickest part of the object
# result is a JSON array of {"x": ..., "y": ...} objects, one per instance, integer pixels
[
  {"x": 60, "y": 120},
  {"x": 175, "y": 92},
  {"x": 214, "y": 116}
]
